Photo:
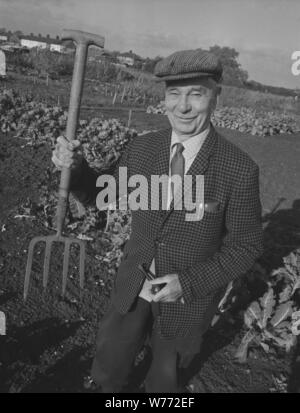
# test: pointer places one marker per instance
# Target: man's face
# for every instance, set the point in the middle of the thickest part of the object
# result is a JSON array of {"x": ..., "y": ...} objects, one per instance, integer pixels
[{"x": 189, "y": 105}]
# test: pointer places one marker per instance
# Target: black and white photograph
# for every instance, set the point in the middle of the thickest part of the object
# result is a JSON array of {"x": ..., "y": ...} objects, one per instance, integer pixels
[{"x": 150, "y": 199}]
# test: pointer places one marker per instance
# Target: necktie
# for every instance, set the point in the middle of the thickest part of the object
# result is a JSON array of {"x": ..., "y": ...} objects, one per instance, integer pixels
[{"x": 177, "y": 165}]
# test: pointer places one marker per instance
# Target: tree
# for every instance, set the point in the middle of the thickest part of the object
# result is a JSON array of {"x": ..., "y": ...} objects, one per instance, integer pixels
[
  {"x": 150, "y": 64},
  {"x": 233, "y": 74},
  {"x": 15, "y": 37}
]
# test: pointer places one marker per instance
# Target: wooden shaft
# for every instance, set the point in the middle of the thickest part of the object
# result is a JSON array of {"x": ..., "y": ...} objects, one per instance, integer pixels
[
  {"x": 76, "y": 90},
  {"x": 73, "y": 116},
  {"x": 83, "y": 40}
]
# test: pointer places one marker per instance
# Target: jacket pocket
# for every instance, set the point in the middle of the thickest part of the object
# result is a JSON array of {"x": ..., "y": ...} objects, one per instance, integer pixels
[{"x": 212, "y": 207}]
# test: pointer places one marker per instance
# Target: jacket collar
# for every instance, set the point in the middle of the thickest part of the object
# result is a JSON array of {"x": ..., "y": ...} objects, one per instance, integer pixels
[
  {"x": 201, "y": 161},
  {"x": 199, "y": 164},
  {"x": 191, "y": 146}
]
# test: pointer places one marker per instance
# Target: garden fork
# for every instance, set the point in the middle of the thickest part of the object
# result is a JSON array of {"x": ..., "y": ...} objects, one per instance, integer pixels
[{"x": 83, "y": 41}]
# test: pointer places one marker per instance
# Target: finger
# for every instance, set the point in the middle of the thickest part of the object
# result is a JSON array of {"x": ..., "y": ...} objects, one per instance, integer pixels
[
  {"x": 160, "y": 280},
  {"x": 164, "y": 292},
  {"x": 158, "y": 297},
  {"x": 56, "y": 161},
  {"x": 61, "y": 140},
  {"x": 65, "y": 156},
  {"x": 75, "y": 143},
  {"x": 168, "y": 300},
  {"x": 61, "y": 162},
  {"x": 63, "y": 152},
  {"x": 171, "y": 299}
]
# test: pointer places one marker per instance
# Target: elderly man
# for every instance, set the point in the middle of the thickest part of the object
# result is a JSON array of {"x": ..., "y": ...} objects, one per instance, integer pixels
[{"x": 192, "y": 260}]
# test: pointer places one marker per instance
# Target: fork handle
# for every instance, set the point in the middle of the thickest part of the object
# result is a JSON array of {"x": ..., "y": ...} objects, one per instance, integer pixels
[
  {"x": 73, "y": 115},
  {"x": 63, "y": 194}
]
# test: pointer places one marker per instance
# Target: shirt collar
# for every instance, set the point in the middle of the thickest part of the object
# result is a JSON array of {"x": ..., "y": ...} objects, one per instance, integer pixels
[{"x": 192, "y": 145}]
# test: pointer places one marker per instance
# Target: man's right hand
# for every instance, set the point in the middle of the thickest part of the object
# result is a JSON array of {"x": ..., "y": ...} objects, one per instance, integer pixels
[{"x": 67, "y": 154}]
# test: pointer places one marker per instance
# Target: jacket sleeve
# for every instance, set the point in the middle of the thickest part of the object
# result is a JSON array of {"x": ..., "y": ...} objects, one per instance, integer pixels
[
  {"x": 83, "y": 180},
  {"x": 240, "y": 247}
]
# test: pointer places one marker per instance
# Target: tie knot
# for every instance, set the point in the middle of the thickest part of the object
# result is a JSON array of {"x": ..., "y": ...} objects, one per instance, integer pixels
[{"x": 179, "y": 148}]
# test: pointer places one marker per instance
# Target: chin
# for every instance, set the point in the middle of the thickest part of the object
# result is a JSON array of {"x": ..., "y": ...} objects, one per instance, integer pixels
[{"x": 184, "y": 130}]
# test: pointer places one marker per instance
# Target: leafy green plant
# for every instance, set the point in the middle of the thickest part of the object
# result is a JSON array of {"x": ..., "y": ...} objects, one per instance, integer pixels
[
  {"x": 274, "y": 320},
  {"x": 247, "y": 120}
]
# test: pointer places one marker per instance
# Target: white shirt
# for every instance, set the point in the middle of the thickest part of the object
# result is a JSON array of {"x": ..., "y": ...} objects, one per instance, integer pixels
[{"x": 191, "y": 148}]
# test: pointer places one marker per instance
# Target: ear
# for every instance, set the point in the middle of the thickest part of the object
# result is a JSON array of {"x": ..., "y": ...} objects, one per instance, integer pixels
[
  {"x": 216, "y": 99},
  {"x": 214, "y": 102}
]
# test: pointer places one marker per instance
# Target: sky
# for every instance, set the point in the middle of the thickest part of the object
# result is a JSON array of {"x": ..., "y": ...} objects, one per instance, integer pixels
[{"x": 264, "y": 32}]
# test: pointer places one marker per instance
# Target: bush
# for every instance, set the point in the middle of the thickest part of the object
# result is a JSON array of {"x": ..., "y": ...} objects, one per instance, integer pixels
[
  {"x": 20, "y": 60},
  {"x": 43, "y": 62}
]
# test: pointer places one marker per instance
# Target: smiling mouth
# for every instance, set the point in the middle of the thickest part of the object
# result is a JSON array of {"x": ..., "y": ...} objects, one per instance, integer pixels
[{"x": 184, "y": 118}]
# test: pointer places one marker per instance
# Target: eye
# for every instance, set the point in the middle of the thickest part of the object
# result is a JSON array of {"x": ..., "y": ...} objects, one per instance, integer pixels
[
  {"x": 173, "y": 92},
  {"x": 199, "y": 92}
]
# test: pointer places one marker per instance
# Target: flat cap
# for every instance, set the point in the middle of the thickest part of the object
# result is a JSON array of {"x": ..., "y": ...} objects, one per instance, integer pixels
[{"x": 189, "y": 64}]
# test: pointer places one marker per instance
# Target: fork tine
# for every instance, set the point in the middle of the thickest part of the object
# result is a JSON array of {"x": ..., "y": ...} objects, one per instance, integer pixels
[
  {"x": 28, "y": 266},
  {"x": 81, "y": 264},
  {"x": 49, "y": 241},
  {"x": 65, "y": 266},
  {"x": 47, "y": 262}
]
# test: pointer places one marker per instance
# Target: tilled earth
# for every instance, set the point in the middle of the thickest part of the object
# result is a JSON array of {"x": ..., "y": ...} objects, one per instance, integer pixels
[{"x": 50, "y": 340}]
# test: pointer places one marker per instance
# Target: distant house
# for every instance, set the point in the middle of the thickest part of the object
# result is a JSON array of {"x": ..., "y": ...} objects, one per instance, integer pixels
[
  {"x": 106, "y": 56},
  {"x": 14, "y": 39},
  {"x": 129, "y": 58},
  {"x": 96, "y": 55},
  {"x": 8, "y": 40},
  {"x": 3, "y": 37},
  {"x": 42, "y": 42},
  {"x": 12, "y": 47},
  {"x": 2, "y": 64},
  {"x": 125, "y": 60}
]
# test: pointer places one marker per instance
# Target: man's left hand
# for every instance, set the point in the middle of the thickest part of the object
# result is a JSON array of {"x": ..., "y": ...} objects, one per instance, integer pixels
[{"x": 171, "y": 292}]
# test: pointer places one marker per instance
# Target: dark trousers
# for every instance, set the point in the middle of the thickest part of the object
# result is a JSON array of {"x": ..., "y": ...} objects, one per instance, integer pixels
[{"x": 120, "y": 338}]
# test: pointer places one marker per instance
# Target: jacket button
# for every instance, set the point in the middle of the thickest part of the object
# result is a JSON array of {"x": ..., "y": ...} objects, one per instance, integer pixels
[{"x": 159, "y": 242}]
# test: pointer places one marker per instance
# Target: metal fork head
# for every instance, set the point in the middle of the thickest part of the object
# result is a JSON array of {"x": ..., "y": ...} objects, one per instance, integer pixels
[{"x": 49, "y": 241}]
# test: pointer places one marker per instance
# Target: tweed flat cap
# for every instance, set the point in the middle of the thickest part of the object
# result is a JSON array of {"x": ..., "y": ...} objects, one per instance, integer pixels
[{"x": 188, "y": 64}]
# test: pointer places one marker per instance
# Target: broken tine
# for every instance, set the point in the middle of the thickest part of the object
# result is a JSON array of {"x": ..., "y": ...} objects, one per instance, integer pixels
[{"x": 65, "y": 266}]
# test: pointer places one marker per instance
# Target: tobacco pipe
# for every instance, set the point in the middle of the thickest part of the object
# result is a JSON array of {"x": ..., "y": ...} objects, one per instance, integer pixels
[{"x": 150, "y": 277}]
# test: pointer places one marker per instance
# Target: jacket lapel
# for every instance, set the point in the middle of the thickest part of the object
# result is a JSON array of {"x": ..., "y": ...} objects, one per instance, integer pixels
[
  {"x": 161, "y": 162},
  {"x": 201, "y": 162},
  {"x": 162, "y": 155},
  {"x": 198, "y": 167}
]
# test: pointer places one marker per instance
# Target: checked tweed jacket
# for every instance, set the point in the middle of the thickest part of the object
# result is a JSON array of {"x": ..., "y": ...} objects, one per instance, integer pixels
[{"x": 207, "y": 254}]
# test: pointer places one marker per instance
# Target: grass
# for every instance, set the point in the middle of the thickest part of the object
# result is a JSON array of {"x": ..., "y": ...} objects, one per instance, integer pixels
[
  {"x": 142, "y": 92},
  {"x": 262, "y": 102}
]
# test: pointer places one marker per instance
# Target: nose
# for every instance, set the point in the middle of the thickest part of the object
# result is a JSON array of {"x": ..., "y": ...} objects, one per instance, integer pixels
[{"x": 183, "y": 104}]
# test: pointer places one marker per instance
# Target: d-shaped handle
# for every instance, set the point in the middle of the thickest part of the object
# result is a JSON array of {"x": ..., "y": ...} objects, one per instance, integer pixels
[{"x": 83, "y": 37}]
